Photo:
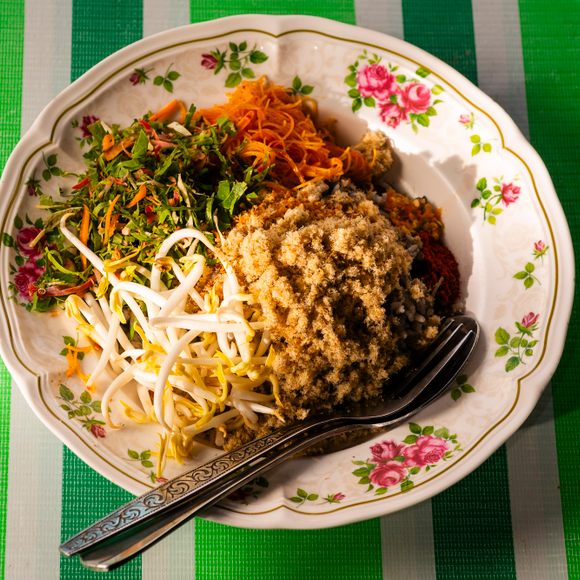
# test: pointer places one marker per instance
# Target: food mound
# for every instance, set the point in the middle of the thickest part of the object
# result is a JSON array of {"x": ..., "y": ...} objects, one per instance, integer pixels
[
  {"x": 234, "y": 268},
  {"x": 334, "y": 282}
]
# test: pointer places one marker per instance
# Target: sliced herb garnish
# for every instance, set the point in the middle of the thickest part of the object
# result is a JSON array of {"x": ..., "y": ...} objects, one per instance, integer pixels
[{"x": 140, "y": 184}]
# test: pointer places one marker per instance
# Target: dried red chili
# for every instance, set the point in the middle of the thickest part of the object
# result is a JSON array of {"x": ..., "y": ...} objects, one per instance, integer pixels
[
  {"x": 439, "y": 269},
  {"x": 60, "y": 290},
  {"x": 81, "y": 183},
  {"x": 149, "y": 213}
]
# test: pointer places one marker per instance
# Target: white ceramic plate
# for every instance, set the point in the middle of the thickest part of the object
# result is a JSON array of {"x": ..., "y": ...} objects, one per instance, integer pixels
[{"x": 454, "y": 144}]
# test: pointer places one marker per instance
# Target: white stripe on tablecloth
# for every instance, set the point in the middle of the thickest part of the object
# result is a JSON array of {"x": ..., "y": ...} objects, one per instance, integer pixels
[
  {"x": 538, "y": 531},
  {"x": 408, "y": 550},
  {"x": 34, "y": 496},
  {"x": 35, "y": 464},
  {"x": 173, "y": 557},
  {"x": 384, "y": 16},
  {"x": 158, "y": 16},
  {"x": 406, "y": 537},
  {"x": 500, "y": 66},
  {"x": 46, "y": 64}
]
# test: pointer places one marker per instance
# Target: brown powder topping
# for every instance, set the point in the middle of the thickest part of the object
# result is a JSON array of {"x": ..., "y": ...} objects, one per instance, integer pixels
[{"x": 329, "y": 272}]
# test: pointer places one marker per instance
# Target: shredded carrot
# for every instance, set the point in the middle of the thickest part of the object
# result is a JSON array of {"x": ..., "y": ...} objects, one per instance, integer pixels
[
  {"x": 138, "y": 196},
  {"x": 108, "y": 229},
  {"x": 118, "y": 148},
  {"x": 72, "y": 363},
  {"x": 182, "y": 112},
  {"x": 169, "y": 111},
  {"x": 276, "y": 130},
  {"x": 84, "y": 232},
  {"x": 113, "y": 224},
  {"x": 72, "y": 360},
  {"x": 72, "y": 348},
  {"x": 108, "y": 141}
]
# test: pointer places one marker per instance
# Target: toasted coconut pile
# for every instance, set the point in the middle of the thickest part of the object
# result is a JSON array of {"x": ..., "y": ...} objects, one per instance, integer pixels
[{"x": 333, "y": 278}]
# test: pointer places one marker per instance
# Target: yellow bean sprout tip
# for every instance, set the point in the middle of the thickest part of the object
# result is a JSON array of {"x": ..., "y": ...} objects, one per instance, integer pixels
[
  {"x": 134, "y": 415},
  {"x": 102, "y": 287}
]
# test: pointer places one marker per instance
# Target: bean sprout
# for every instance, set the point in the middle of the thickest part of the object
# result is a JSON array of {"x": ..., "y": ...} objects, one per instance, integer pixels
[{"x": 190, "y": 372}]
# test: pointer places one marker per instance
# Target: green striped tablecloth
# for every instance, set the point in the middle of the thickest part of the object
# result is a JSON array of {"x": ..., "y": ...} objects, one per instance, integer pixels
[{"x": 518, "y": 515}]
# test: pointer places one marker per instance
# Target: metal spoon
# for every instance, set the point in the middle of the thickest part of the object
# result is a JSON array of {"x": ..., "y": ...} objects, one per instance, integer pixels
[{"x": 143, "y": 521}]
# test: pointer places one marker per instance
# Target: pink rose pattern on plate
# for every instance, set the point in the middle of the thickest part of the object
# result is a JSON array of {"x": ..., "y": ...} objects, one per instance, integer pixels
[
  {"x": 85, "y": 123},
  {"x": 28, "y": 264},
  {"x": 23, "y": 240},
  {"x": 468, "y": 121},
  {"x": 302, "y": 496},
  {"x": 399, "y": 98},
  {"x": 518, "y": 347},
  {"x": 393, "y": 464},
  {"x": 140, "y": 76},
  {"x": 237, "y": 59},
  {"x": 209, "y": 61},
  {"x": 540, "y": 249},
  {"x": 527, "y": 275},
  {"x": 25, "y": 278},
  {"x": 374, "y": 80}
]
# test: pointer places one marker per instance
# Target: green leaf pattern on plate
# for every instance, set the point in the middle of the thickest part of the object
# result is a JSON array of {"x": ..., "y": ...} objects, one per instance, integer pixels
[
  {"x": 461, "y": 387},
  {"x": 82, "y": 408},
  {"x": 140, "y": 76},
  {"x": 519, "y": 346},
  {"x": 237, "y": 60}
]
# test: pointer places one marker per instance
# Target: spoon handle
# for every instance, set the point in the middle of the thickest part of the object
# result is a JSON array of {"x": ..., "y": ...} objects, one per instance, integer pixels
[
  {"x": 169, "y": 495},
  {"x": 105, "y": 556}
]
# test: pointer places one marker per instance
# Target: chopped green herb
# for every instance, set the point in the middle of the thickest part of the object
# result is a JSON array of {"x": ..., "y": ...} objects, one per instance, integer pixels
[{"x": 140, "y": 184}]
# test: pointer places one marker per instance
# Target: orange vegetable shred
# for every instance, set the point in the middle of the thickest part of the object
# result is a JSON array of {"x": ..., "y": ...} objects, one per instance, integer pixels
[
  {"x": 169, "y": 111},
  {"x": 108, "y": 142},
  {"x": 84, "y": 232},
  {"x": 138, "y": 196},
  {"x": 117, "y": 148},
  {"x": 276, "y": 130},
  {"x": 110, "y": 227}
]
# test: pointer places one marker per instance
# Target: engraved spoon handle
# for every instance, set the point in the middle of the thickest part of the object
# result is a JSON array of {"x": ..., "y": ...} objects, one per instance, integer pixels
[
  {"x": 179, "y": 489},
  {"x": 104, "y": 557}
]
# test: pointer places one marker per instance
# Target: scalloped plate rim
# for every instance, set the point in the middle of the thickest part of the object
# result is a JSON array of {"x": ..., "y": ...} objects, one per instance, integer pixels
[{"x": 281, "y": 25}]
